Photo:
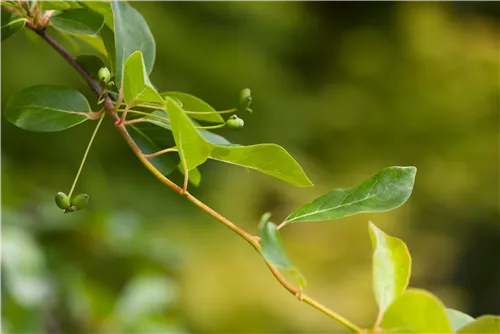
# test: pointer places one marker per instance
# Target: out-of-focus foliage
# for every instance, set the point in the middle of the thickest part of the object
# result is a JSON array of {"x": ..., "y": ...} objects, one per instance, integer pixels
[{"x": 346, "y": 88}]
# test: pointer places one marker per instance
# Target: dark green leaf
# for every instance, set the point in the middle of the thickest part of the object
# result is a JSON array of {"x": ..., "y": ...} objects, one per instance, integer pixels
[
  {"x": 273, "y": 248},
  {"x": 391, "y": 267},
  {"x": 90, "y": 63},
  {"x": 79, "y": 21},
  {"x": 108, "y": 38},
  {"x": 269, "y": 159},
  {"x": 458, "y": 319},
  {"x": 416, "y": 311},
  {"x": 11, "y": 23},
  {"x": 193, "y": 149},
  {"x": 131, "y": 34},
  {"x": 385, "y": 191},
  {"x": 485, "y": 324},
  {"x": 136, "y": 86},
  {"x": 47, "y": 108},
  {"x": 163, "y": 162},
  {"x": 54, "y": 5},
  {"x": 192, "y": 103}
]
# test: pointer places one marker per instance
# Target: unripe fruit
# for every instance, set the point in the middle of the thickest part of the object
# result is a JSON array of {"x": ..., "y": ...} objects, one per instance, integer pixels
[
  {"x": 245, "y": 100},
  {"x": 80, "y": 201},
  {"x": 62, "y": 200},
  {"x": 104, "y": 74},
  {"x": 234, "y": 122}
]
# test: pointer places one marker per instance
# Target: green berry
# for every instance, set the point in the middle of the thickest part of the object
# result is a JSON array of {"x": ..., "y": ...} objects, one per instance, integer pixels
[
  {"x": 234, "y": 122},
  {"x": 80, "y": 201},
  {"x": 62, "y": 200},
  {"x": 104, "y": 74},
  {"x": 245, "y": 100}
]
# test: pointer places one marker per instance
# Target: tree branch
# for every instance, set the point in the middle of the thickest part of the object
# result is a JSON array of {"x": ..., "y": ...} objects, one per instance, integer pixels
[{"x": 251, "y": 239}]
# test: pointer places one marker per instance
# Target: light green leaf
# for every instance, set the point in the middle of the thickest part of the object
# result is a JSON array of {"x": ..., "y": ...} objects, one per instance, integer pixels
[
  {"x": 194, "y": 175},
  {"x": 94, "y": 41},
  {"x": 10, "y": 4},
  {"x": 485, "y": 324},
  {"x": 54, "y": 5},
  {"x": 79, "y": 21},
  {"x": 136, "y": 86},
  {"x": 385, "y": 191},
  {"x": 391, "y": 267},
  {"x": 131, "y": 34},
  {"x": 214, "y": 138},
  {"x": 164, "y": 163},
  {"x": 193, "y": 149},
  {"x": 192, "y": 103},
  {"x": 103, "y": 8},
  {"x": 207, "y": 135},
  {"x": 11, "y": 23},
  {"x": 458, "y": 319},
  {"x": 73, "y": 3},
  {"x": 416, "y": 311},
  {"x": 273, "y": 248},
  {"x": 47, "y": 108},
  {"x": 270, "y": 159}
]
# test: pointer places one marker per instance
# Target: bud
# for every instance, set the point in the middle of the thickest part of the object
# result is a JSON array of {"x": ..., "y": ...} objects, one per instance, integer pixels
[
  {"x": 234, "y": 122},
  {"x": 62, "y": 200},
  {"x": 80, "y": 201},
  {"x": 245, "y": 100},
  {"x": 104, "y": 74}
]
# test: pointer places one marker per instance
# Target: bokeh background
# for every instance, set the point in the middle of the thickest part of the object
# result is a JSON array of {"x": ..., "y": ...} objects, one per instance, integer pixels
[{"x": 347, "y": 88}]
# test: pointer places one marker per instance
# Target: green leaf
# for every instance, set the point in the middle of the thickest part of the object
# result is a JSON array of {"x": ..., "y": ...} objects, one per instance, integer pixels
[
  {"x": 108, "y": 39},
  {"x": 391, "y": 267},
  {"x": 270, "y": 159},
  {"x": 47, "y": 108},
  {"x": 79, "y": 21},
  {"x": 192, "y": 103},
  {"x": 485, "y": 324},
  {"x": 385, "y": 191},
  {"x": 214, "y": 138},
  {"x": 458, "y": 319},
  {"x": 193, "y": 149},
  {"x": 54, "y": 5},
  {"x": 207, "y": 135},
  {"x": 11, "y": 23},
  {"x": 103, "y": 8},
  {"x": 72, "y": 4},
  {"x": 164, "y": 163},
  {"x": 95, "y": 41},
  {"x": 194, "y": 175},
  {"x": 273, "y": 248},
  {"x": 136, "y": 86},
  {"x": 416, "y": 311},
  {"x": 91, "y": 63},
  {"x": 10, "y": 4},
  {"x": 131, "y": 34}
]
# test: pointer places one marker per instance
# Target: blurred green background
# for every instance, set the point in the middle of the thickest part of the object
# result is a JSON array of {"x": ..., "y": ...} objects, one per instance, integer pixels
[{"x": 346, "y": 88}]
